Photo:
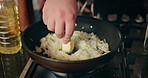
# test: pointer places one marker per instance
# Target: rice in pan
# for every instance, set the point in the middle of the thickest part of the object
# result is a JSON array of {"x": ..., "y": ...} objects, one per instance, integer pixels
[{"x": 87, "y": 46}]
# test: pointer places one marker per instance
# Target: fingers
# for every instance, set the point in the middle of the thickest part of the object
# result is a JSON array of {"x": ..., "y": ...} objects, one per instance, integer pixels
[
  {"x": 45, "y": 18},
  {"x": 69, "y": 29},
  {"x": 59, "y": 28},
  {"x": 51, "y": 24},
  {"x": 60, "y": 17}
]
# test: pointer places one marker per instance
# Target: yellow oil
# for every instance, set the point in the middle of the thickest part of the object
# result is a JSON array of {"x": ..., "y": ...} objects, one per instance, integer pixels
[{"x": 10, "y": 38}]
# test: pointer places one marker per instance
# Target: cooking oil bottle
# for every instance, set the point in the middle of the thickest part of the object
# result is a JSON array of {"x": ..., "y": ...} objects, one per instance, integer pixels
[{"x": 10, "y": 39}]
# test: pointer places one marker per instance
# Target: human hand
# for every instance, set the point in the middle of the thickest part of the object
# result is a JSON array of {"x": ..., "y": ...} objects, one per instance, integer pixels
[{"x": 60, "y": 16}]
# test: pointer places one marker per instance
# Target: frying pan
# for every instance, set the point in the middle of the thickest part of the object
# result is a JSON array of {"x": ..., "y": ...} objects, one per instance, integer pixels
[{"x": 104, "y": 30}]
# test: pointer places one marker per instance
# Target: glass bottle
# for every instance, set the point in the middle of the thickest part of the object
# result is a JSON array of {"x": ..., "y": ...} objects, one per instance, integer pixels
[{"x": 10, "y": 40}]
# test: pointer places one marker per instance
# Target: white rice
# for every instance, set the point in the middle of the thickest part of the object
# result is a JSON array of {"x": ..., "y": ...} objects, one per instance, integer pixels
[{"x": 88, "y": 46}]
